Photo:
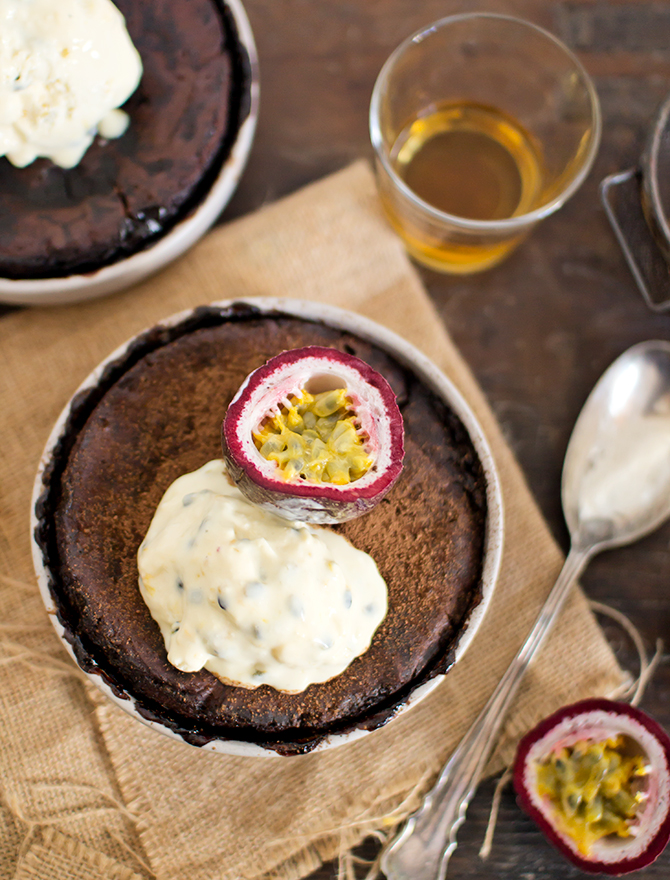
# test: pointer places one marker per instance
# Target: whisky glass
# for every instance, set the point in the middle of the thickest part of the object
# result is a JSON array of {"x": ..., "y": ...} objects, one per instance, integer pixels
[{"x": 482, "y": 125}]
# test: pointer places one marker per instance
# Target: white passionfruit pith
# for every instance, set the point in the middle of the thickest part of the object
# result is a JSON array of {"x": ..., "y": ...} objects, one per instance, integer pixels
[
  {"x": 314, "y": 435},
  {"x": 595, "y": 777}
]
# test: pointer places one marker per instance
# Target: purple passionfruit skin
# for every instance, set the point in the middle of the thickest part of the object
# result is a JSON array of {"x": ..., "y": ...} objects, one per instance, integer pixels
[
  {"x": 265, "y": 390},
  {"x": 598, "y": 719}
]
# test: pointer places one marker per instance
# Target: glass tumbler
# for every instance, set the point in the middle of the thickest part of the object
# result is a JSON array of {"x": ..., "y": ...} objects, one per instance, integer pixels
[{"x": 482, "y": 125}]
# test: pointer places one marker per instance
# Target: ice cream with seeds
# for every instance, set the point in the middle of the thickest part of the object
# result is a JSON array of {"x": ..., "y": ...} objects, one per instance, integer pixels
[{"x": 251, "y": 597}]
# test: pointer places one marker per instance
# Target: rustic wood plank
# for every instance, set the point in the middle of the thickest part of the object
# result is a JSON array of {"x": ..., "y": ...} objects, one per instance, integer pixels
[{"x": 538, "y": 330}]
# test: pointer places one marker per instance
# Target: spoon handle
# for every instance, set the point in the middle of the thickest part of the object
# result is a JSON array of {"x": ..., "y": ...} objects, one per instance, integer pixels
[{"x": 423, "y": 847}]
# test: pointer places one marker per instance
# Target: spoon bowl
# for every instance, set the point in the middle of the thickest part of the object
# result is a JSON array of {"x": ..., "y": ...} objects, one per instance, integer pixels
[{"x": 616, "y": 476}]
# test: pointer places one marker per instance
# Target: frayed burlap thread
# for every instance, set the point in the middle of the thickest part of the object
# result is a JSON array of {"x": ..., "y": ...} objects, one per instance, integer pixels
[
  {"x": 55, "y": 771},
  {"x": 54, "y": 855},
  {"x": 156, "y": 806}
]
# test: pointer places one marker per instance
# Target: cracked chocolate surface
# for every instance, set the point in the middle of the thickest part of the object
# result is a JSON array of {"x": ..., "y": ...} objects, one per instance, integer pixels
[
  {"x": 157, "y": 415},
  {"x": 126, "y": 193}
]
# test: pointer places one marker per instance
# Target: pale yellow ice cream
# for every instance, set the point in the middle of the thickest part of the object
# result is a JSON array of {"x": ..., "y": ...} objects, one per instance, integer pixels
[{"x": 66, "y": 66}]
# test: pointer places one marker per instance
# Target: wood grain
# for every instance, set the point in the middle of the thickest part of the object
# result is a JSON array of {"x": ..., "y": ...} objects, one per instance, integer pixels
[{"x": 538, "y": 330}]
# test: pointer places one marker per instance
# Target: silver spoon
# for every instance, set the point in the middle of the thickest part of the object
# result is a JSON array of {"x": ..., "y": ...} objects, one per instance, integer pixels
[{"x": 615, "y": 489}]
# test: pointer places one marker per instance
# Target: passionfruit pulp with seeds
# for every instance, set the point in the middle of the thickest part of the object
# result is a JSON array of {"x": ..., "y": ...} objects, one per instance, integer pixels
[
  {"x": 595, "y": 776},
  {"x": 315, "y": 435}
]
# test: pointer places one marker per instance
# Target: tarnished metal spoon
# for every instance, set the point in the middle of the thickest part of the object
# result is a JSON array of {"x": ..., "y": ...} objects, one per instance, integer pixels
[{"x": 615, "y": 489}]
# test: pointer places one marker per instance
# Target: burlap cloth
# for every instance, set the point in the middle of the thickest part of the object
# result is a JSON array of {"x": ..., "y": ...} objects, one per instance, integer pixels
[{"x": 87, "y": 792}]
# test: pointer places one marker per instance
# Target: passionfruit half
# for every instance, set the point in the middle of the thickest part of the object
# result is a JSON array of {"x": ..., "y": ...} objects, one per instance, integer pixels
[
  {"x": 595, "y": 776},
  {"x": 314, "y": 435}
]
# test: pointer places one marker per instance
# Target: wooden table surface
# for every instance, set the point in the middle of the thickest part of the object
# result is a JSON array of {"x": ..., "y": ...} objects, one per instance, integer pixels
[{"x": 538, "y": 330}]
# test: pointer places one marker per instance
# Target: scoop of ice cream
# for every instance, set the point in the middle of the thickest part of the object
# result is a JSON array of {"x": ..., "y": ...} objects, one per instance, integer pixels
[
  {"x": 65, "y": 68},
  {"x": 254, "y": 598}
]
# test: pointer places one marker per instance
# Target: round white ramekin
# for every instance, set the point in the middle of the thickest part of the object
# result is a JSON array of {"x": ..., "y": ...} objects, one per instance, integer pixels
[{"x": 407, "y": 355}]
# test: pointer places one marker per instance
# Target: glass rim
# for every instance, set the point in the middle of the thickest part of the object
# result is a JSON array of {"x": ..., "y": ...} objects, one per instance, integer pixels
[{"x": 509, "y": 224}]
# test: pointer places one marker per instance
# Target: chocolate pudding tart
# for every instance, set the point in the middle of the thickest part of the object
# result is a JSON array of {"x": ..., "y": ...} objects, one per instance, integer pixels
[
  {"x": 153, "y": 414},
  {"x": 126, "y": 194}
]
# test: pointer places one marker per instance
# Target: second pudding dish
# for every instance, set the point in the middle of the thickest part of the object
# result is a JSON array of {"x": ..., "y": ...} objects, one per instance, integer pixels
[{"x": 127, "y": 193}]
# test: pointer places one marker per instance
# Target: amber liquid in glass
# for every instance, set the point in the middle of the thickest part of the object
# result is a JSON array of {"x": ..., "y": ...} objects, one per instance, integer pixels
[{"x": 471, "y": 161}]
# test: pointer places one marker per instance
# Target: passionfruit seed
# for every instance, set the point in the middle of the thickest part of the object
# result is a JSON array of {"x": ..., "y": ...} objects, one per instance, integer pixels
[{"x": 316, "y": 437}]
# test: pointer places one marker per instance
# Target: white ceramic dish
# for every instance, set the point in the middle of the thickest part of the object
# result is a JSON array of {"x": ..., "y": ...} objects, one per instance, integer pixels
[
  {"x": 407, "y": 355},
  {"x": 124, "y": 273}
]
